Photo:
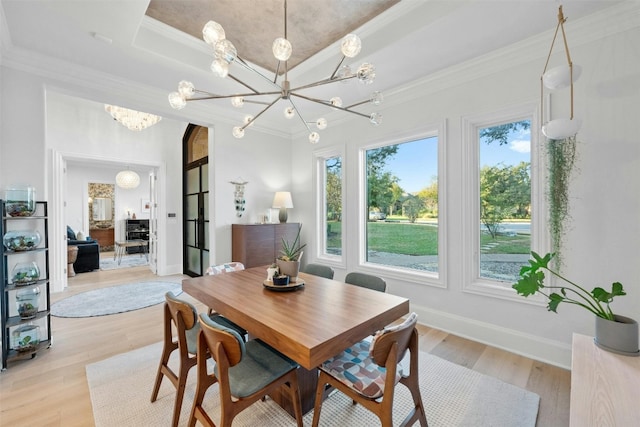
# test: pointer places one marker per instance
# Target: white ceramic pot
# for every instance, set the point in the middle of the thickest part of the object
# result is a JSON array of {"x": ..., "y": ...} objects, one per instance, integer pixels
[{"x": 290, "y": 268}]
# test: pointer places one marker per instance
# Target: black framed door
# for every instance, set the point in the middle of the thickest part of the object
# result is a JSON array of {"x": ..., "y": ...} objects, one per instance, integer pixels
[{"x": 196, "y": 202}]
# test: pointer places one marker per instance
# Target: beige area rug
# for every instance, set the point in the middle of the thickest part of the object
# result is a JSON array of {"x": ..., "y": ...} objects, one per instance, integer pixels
[{"x": 453, "y": 395}]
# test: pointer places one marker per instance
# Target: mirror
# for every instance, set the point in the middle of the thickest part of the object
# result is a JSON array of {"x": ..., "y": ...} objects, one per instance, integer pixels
[{"x": 102, "y": 209}]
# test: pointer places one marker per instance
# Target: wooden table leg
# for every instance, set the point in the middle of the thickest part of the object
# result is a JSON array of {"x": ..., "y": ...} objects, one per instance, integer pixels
[{"x": 307, "y": 381}]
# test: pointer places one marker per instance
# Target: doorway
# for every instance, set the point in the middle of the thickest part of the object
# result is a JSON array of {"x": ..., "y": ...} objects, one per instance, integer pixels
[{"x": 196, "y": 200}]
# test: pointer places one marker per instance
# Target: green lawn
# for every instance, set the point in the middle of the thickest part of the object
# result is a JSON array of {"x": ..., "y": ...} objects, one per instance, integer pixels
[{"x": 422, "y": 239}]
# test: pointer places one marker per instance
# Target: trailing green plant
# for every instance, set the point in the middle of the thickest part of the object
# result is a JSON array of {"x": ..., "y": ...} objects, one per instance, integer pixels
[
  {"x": 532, "y": 281},
  {"x": 292, "y": 251},
  {"x": 561, "y": 157}
]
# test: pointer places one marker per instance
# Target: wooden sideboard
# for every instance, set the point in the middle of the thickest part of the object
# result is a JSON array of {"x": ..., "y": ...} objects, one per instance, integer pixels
[
  {"x": 104, "y": 236},
  {"x": 604, "y": 386},
  {"x": 260, "y": 244}
]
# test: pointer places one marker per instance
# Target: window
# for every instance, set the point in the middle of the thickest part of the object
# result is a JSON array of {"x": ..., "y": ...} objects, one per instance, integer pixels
[
  {"x": 329, "y": 206},
  {"x": 401, "y": 205},
  {"x": 505, "y": 200}
]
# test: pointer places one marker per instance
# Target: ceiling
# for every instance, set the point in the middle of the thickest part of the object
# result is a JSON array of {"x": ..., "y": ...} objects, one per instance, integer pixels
[{"x": 117, "y": 44}]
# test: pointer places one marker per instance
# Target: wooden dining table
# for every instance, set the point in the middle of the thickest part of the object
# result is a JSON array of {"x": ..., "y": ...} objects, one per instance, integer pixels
[{"x": 309, "y": 324}]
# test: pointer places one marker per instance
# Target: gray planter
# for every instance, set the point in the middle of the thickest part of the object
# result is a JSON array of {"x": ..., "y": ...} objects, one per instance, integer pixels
[
  {"x": 619, "y": 336},
  {"x": 290, "y": 268}
]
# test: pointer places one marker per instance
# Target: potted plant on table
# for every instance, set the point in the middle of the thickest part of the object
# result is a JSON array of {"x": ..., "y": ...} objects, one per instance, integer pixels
[
  {"x": 615, "y": 333},
  {"x": 290, "y": 255}
]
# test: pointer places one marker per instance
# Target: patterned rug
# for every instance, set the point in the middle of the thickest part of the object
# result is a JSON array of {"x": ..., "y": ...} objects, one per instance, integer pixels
[
  {"x": 121, "y": 386},
  {"x": 115, "y": 299}
]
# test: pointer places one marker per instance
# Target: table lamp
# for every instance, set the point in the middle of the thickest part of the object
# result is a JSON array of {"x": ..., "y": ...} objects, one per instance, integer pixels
[{"x": 282, "y": 200}]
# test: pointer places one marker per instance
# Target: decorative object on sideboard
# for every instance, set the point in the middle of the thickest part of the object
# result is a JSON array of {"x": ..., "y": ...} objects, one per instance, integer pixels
[
  {"x": 282, "y": 200},
  {"x": 132, "y": 119},
  {"x": 225, "y": 53},
  {"x": 21, "y": 240},
  {"x": 238, "y": 195},
  {"x": 20, "y": 201},
  {"x": 560, "y": 78},
  {"x": 615, "y": 333},
  {"x": 290, "y": 255},
  {"x": 127, "y": 179}
]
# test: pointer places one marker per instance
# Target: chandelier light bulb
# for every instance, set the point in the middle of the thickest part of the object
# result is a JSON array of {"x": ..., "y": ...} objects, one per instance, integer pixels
[
  {"x": 344, "y": 73},
  {"x": 237, "y": 101},
  {"x": 314, "y": 137},
  {"x": 220, "y": 68},
  {"x": 281, "y": 49},
  {"x": 226, "y": 51},
  {"x": 336, "y": 101},
  {"x": 289, "y": 112},
  {"x": 186, "y": 89},
  {"x": 366, "y": 73},
  {"x": 176, "y": 101},
  {"x": 238, "y": 132},
  {"x": 212, "y": 33},
  {"x": 248, "y": 120},
  {"x": 351, "y": 45},
  {"x": 376, "y": 98},
  {"x": 375, "y": 118},
  {"x": 321, "y": 123}
]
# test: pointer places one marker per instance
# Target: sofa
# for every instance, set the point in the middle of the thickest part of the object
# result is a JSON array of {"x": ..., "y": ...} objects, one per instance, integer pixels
[{"x": 88, "y": 252}]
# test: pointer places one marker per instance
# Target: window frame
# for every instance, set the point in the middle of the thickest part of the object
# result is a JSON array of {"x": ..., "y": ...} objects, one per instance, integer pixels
[
  {"x": 320, "y": 209},
  {"x": 471, "y": 125},
  {"x": 428, "y": 278}
]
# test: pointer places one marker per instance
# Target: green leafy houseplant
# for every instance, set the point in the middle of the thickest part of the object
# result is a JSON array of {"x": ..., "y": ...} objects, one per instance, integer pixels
[
  {"x": 532, "y": 280},
  {"x": 292, "y": 251}
]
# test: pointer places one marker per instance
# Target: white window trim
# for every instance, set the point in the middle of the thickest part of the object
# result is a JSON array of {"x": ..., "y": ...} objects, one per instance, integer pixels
[
  {"x": 438, "y": 279},
  {"x": 472, "y": 282},
  {"x": 319, "y": 182}
]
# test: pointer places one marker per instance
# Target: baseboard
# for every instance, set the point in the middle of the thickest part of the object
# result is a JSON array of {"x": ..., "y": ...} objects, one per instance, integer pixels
[
  {"x": 169, "y": 270},
  {"x": 544, "y": 350}
]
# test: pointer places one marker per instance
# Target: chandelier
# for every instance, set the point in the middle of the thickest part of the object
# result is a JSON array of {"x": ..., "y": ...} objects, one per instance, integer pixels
[
  {"x": 225, "y": 54},
  {"x": 131, "y": 119}
]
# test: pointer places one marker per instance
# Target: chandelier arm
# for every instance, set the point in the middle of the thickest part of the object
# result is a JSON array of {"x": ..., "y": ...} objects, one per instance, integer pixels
[
  {"x": 323, "y": 82},
  {"x": 275, "y": 76},
  {"x": 319, "y": 101},
  {"x": 250, "y": 68},
  {"x": 298, "y": 113},
  {"x": 357, "y": 103},
  {"x": 244, "y": 95},
  {"x": 260, "y": 113},
  {"x": 338, "y": 67}
]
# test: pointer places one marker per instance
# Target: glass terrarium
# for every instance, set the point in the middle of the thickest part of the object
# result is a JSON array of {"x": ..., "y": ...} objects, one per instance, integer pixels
[
  {"x": 21, "y": 240},
  {"x": 27, "y": 302},
  {"x": 25, "y": 273},
  {"x": 25, "y": 338},
  {"x": 20, "y": 201}
]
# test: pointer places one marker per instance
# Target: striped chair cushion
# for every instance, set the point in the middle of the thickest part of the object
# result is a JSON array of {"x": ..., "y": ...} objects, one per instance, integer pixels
[{"x": 355, "y": 368}]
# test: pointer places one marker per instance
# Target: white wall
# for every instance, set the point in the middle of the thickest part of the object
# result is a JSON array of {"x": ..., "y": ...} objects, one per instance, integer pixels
[{"x": 601, "y": 244}]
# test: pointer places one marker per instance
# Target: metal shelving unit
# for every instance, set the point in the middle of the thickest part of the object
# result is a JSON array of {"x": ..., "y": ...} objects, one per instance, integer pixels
[{"x": 8, "y": 259}]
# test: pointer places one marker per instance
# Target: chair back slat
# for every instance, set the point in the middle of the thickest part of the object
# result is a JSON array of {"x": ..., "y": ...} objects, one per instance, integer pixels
[
  {"x": 188, "y": 311},
  {"x": 231, "y": 341},
  {"x": 401, "y": 334},
  {"x": 366, "y": 281}
]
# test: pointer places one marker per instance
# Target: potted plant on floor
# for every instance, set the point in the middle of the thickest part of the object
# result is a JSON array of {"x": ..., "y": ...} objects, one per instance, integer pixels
[
  {"x": 615, "y": 333},
  {"x": 290, "y": 255}
]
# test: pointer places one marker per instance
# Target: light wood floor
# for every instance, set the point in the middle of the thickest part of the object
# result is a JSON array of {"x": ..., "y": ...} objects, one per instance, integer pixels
[{"x": 51, "y": 390}]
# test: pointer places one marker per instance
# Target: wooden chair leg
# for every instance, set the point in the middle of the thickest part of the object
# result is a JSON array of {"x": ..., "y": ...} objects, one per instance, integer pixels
[
  {"x": 295, "y": 397},
  {"x": 320, "y": 389}
]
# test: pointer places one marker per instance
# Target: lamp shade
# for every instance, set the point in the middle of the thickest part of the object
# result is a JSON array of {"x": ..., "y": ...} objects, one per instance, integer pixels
[
  {"x": 560, "y": 77},
  {"x": 127, "y": 179},
  {"x": 282, "y": 199}
]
